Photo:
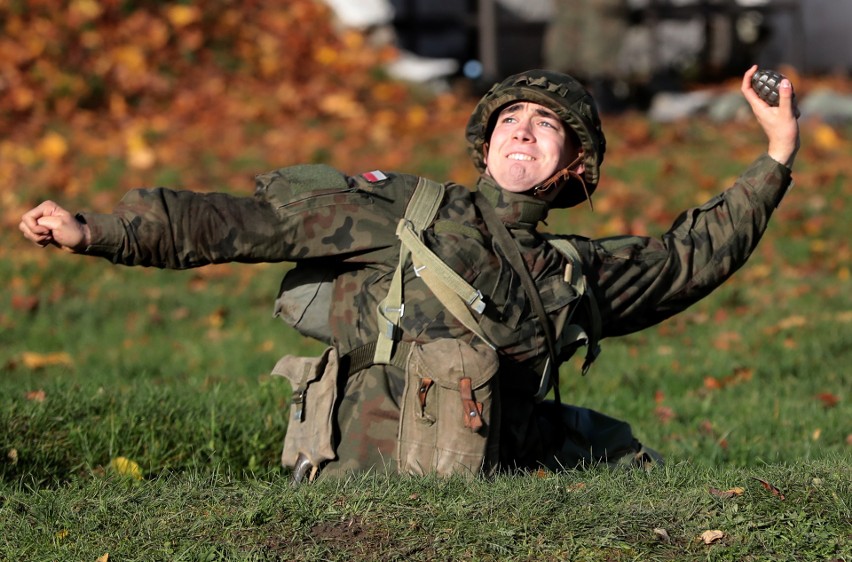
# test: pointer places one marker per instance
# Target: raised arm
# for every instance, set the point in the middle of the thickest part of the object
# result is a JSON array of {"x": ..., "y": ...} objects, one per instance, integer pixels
[{"x": 640, "y": 281}]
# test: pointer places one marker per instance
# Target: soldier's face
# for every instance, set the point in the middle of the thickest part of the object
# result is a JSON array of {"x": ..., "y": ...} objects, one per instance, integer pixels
[{"x": 529, "y": 144}]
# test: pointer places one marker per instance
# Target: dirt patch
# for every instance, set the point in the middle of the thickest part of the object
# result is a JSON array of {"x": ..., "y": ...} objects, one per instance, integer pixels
[
  {"x": 345, "y": 530},
  {"x": 360, "y": 540}
]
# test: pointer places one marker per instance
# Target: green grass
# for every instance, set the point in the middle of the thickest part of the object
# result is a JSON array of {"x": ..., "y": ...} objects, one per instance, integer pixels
[
  {"x": 170, "y": 370},
  {"x": 212, "y": 514}
]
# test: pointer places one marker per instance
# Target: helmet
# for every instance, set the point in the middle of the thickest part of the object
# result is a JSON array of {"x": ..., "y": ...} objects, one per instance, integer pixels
[{"x": 558, "y": 92}]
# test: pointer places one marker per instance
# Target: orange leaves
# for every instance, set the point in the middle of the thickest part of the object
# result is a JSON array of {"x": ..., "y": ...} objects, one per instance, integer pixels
[
  {"x": 739, "y": 376},
  {"x": 774, "y": 490},
  {"x": 828, "y": 399},
  {"x": 52, "y": 146},
  {"x": 664, "y": 413},
  {"x": 180, "y": 15},
  {"x": 341, "y": 105},
  {"x": 726, "y": 494},
  {"x": 83, "y": 11},
  {"x": 219, "y": 80},
  {"x": 35, "y": 361},
  {"x": 36, "y": 396}
]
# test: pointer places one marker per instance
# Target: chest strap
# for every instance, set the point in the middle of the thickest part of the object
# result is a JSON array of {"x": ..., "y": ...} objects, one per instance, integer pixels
[{"x": 450, "y": 288}]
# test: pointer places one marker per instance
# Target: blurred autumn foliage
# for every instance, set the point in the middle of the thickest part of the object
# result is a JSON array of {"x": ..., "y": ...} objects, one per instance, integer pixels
[
  {"x": 90, "y": 88},
  {"x": 97, "y": 97}
]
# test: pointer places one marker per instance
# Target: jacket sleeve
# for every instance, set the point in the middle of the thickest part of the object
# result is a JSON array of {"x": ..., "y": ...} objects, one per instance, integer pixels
[
  {"x": 297, "y": 213},
  {"x": 640, "y": 281}
]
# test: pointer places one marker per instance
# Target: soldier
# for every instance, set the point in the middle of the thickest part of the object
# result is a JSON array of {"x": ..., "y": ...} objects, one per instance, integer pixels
[{"x": 446, "y": 312}]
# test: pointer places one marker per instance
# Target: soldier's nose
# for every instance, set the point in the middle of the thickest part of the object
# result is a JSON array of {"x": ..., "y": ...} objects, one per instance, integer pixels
[{"x": 523, "y": 131}]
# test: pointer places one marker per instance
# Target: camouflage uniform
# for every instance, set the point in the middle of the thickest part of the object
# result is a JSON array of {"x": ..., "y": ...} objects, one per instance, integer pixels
[{"x": 314, "y": 215}]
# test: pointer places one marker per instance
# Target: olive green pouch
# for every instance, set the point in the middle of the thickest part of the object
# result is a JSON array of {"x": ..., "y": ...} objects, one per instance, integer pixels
[{"x": 449, "y": 423}]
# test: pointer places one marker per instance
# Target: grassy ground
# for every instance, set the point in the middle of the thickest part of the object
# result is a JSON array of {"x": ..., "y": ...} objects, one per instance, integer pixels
[{"x": 168, "y": 370}]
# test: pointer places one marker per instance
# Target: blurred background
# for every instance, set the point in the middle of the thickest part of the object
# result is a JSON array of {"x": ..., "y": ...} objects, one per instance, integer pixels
[
  {"x": 625, "y": 50},
  {"x": 101, "y": 96}
]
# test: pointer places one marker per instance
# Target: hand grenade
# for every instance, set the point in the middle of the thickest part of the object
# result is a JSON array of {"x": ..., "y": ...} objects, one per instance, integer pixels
[{"x": 765, "y": 83}]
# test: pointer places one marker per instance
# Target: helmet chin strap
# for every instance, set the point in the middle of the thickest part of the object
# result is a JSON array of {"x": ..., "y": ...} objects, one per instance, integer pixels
[{"x": 563, "y": 175}]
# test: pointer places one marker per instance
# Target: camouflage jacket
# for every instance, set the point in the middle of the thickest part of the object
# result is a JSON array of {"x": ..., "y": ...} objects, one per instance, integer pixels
[{"x": 314, "y": 214}]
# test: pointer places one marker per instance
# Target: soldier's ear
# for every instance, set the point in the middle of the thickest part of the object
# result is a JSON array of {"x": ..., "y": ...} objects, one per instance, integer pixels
[
  {"x": 581, "y": 166},
  {"x": 485, "y": 154}
]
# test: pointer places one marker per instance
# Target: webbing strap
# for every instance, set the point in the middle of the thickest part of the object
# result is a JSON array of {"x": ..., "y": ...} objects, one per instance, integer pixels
[
  {"x": 362, "y": 357},
  {"x": 420, "y": 211},
  {"x": 451, "y": 301},
  {"x": 511, "y": 252},
  {"x": 439, "y": 270}
]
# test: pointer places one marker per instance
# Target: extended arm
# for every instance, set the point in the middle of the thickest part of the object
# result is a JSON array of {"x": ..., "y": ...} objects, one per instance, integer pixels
[{"x": 297, "y": 213}]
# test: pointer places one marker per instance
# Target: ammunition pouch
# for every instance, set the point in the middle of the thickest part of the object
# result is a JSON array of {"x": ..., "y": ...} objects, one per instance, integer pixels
[
  {"x": 310, "y": 430},
  {"x": 449, "y": 421}
]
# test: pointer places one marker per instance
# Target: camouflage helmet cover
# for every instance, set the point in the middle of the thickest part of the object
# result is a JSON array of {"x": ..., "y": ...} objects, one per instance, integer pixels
[{"x": 560, "y": 93}]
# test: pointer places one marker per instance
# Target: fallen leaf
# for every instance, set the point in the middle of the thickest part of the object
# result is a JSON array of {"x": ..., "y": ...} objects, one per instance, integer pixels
[
  {"x": 664, "y": 413},
  {"x": 726, "y": 340},
  {"x": 828, "y": 399},
  {"x": 795, "y": 321},
  {"x": 12, "y": 455},
  {"x": 216, "y": 319},
  {"x": 25, "y": 303},
  {"x": 103, "y": 557},
  {"x": 712, "y": 383},
  {"x": 662, "y": 534},
  {"x": 733, "y": 492},
  {"x": 775, "y": 491},
  {"x": 709, "y": 537},
  {"x": 61, "y": 534},
  {"x": 33, "y": 360},
  {"x": 126, "y": 467},
  {"x": 36, "y": 395}
]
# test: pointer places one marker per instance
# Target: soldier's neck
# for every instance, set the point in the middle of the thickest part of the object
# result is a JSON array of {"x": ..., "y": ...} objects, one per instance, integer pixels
[{"x": 516, "y": 210}]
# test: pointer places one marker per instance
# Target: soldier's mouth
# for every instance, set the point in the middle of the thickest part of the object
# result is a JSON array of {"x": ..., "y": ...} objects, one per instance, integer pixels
[{"x": 521, "y": 157}]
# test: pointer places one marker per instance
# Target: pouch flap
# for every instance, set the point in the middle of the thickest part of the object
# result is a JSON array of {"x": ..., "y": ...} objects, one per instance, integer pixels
[
  {"x": 446, "y": 361},
  {"x": 301, "y": 371}
]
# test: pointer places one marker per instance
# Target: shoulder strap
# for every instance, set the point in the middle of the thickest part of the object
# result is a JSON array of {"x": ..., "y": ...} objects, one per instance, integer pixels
[
  {"x": 421, "y": 209},
  {"x": 450, "y": 288}
]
